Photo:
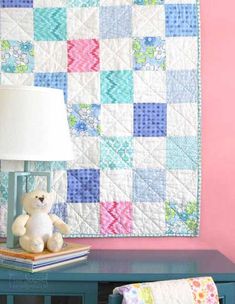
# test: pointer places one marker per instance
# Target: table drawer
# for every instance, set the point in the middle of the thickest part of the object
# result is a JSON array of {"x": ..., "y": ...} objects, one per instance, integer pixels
[{"x": 226, "y": 293}]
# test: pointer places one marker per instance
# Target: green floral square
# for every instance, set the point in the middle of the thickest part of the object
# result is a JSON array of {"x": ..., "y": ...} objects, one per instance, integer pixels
[
  {"x": 84, "y": 119},
  {"x": 116, "y": 153},
  {"x": 17, "y": 56},
  {"x": 181, "y": 220},
  {"x": 149, "y": 54}
]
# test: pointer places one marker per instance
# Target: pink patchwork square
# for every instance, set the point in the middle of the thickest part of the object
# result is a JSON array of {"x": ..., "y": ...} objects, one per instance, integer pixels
[
  {"x": 83, "y": 55},
  {"x": 116, "y": 218}
]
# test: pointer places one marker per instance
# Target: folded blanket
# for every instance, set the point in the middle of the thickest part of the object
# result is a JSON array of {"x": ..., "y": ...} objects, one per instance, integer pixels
[{"x": 186, "y": 291}]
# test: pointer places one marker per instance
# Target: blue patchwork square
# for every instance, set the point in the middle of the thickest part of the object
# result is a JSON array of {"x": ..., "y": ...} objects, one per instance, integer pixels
[
  {"x": 52, "y": 80},
  {"x": 182, "y": 153},
  {"x": 116, "y": 87},
  {"x": 50, "y": 24},
  {"x": 115, "y": 22},
  {"x": 150, "y": 119},
  {"x": 83, "y": 186},
  {"x": 84, "y": 119},
  {"x": 16, "y": 3},
  {"x": 116, "y": 153},
  {"x": 181, "y": 20},
  {"x": 149, "y": 185},
  {"x": 60, "y": 209},
  {"x": 182, "y": 86}
]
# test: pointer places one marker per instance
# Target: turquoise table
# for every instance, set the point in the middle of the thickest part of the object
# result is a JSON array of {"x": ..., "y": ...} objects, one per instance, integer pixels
[{"x": 110, "y": 268}]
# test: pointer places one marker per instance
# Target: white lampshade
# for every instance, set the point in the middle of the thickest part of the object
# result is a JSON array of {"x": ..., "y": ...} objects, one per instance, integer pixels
[{"x": 33, "y": 124}]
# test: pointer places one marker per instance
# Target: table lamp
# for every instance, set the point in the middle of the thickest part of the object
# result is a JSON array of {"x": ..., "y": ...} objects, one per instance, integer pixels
[{"x": 33, "y": 127}]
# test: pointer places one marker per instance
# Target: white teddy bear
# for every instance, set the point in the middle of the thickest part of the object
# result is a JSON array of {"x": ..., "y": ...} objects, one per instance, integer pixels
[{"x": 35, "y": 228}]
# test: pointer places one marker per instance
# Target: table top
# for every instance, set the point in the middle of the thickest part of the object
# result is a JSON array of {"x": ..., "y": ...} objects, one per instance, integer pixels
[{"x": 140, "y": 265}]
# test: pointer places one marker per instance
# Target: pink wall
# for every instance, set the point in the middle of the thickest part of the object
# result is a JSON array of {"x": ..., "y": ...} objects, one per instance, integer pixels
[{"x": 218, "y": 141}]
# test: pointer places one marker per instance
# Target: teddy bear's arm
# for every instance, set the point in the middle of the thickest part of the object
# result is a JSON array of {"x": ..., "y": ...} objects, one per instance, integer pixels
[
  {"x": 59, "y": 224},
  {"x": 18, "y": 226}
]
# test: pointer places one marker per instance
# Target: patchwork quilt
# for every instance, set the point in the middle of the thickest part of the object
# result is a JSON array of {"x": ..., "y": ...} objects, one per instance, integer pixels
[{"x": 130, "y": 72}]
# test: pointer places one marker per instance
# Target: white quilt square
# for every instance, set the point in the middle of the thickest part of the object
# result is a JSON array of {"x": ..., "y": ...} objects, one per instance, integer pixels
[
  {"x": 181, "y": 186},
  {"x": 10, "y": 165},
  {"x": 83, "y": 218},
  {"x": 84, "y": 88},
  {"x": 148, "y": 218},
  {"x": 50, "y": 56},
  {"x": 149, "y": 152},
  {"x": 117, "y": 120},
  {"x": 86, "y": 153},
  {"x": 59, "y": 184},
  {"x": 17, "y": 79},
  {"x": 181, "y": 53},
  {"x": 16, "y": 24},
  {"x": 49, "y": 3},
  {"x": 116, "y": 186},
  {"x": 148, "y": 21},
  {"x": 82, "y": 23},
  {"x": 115, "y": 2},
  {"x": 116, "y": 54},
  {"x": 182, "y": 119},
  {"x": 150, "y": 86}
]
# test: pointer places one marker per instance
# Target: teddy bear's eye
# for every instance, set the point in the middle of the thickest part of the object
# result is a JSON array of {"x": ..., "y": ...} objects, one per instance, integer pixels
[{"x": 36, "y": 196}]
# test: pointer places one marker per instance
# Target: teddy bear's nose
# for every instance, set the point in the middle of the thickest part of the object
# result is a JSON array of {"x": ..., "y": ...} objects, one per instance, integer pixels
[{"x": 41, "y": 199}]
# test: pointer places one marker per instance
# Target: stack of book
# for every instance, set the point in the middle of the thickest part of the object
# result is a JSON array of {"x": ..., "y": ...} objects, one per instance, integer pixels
[{"x": 19, "y": 259}]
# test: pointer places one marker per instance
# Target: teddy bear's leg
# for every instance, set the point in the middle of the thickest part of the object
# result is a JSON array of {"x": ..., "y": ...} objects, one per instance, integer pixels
[
  {"x": 55, "y": 242},
  {"x": 31, "y": 244}
]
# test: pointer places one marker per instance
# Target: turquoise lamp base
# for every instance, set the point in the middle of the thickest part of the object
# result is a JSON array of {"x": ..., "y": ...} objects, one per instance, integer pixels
[{"x": 16, "y": 183}]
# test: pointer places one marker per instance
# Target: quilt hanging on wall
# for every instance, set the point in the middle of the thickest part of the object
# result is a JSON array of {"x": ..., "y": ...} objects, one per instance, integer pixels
[{"x": 130, "y": 72}]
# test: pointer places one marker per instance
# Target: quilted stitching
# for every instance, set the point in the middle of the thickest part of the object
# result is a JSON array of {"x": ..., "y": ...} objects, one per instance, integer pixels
[
  {"x": 51, "y": 56},
  {"x": 20, "y": 79},
  {"x": 129, "y": 70},
  {"x": 149, "y": 86},
  {"x": 84, "y": 218},
  {"x": 148, "y": 21},
  {"x": 49, "y": 3},
  {"x": 115, "y": 54},
  {"x": 84, "y": 23},
  {"x": 117, "y": 120},
  {"x": 83, "y": 88},
  {"x": 86, "y": 153},
  {"x": 17, "y": 24},
  {"x": 143, "y": 221},
  {"x": 119, "y": 183}
]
